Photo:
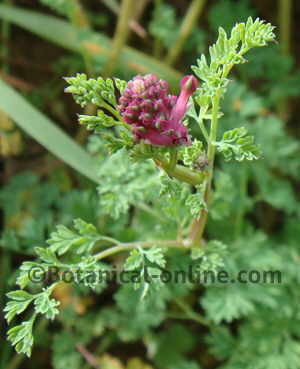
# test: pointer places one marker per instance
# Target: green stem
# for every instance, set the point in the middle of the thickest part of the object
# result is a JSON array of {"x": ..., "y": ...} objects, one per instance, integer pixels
[
  {"x": 148, "y": 209},
  {"x": 186, "y": 29},
  {"x": 213, "y": 133},
  {"x": 135, "y": 245},
  {"x": 285, "y": 18},
  {"x": 173, "y": 158},
  {"x": 5, "y": 36},
  {"x": 108, "y": 239},
  {"x": 83, "y": 133},
  {"x": 202, "y": 127},
  {"x": 77, "y": 16},
  {"x": 90, "y": 358},
  {"x": 198, "y": 225},
  {"x": 157, "y": 45},
  {"x": 16, "y": 361},
  {"x": 133, "y": 24},
  {"x": 190, "y": 313},
  {"x": 157, "y": 49},
  {"x": 121, "y": 34},
  {"x": 241, "y": 207},
  {"x": 79, "y": 19},
  {"x": 116, "y": 114},
  {"x": 182, "y": 173}
]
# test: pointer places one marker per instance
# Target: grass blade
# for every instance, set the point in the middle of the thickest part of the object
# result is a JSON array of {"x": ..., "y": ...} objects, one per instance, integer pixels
[
  {"x": 66, "y": 35},
  {"x": 45, "y": 131}
]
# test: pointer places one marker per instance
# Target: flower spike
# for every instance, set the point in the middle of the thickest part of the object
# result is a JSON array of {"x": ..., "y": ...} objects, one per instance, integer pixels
[{"x": 155, "y": 115}]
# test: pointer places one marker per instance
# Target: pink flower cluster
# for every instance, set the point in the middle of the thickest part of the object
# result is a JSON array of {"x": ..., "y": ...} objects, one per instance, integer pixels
[{"x": 156, "y": 116}]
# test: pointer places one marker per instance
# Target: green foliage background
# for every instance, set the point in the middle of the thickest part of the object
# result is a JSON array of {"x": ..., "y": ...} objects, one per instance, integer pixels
[{"x": 255, "y": 210}]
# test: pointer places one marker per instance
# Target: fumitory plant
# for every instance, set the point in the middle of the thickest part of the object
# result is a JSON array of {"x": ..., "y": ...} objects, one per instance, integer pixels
[{"x": 156, "y": 152}]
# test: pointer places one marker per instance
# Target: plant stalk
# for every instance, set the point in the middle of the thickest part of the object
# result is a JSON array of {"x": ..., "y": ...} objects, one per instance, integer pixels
[
  {"x": 5, "y": 35},
  {"x": 182, "y": 173},
  {"x": 243, "y": 196},
  {"x": 285, "y": 20},
  {"x": 186, "y": 29},
  {"x": 120, "y": 37},
  {"x": 190, "y": 313},
  {"x": 133, "y": 24},
  {"x": 135, "y": 245},
  {"x": 157, "y": 44},
  {"x": 198, "y": 225}
]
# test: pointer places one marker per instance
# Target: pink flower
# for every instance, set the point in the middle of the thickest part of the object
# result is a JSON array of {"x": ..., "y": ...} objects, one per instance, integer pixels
[{"x": 155, "y": 115}]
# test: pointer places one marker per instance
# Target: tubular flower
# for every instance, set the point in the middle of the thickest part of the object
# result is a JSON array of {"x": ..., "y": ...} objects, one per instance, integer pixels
[{"x": 156, "y": 116}]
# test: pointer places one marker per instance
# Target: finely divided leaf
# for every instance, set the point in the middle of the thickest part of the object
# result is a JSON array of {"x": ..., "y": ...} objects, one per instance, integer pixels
[{"x": 237, "y": 145}]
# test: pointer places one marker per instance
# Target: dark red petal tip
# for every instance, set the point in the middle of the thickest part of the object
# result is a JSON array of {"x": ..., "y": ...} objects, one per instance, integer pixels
[{"x": 189, "y": 83}]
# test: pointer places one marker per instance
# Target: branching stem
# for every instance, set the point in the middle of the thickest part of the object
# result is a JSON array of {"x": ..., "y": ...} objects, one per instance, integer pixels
[
  {"x": 135, "y": 245},
  {"x": 182, "y": 173}
]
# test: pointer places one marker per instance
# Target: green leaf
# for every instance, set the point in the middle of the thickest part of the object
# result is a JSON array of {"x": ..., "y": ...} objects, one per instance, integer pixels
[
  {"x": 196, "y": 201},
  {"x": 21, "y": 336},
  {"x": 63, "y": 7},
  {"x": 276, "y": 191},
  {"x": 19, "y": 295},
  {"x": 192, "y": 155},
  {"x": 228, "y": 51},
  {"x": 134, "y": 261},
  {"x": 120, "y": 84},
  {"x": 97, "y": 123},
  {"x": 280, "y": 149},
  {"x": 23, "y": 278},
  {"x": 155, "y": 255},
  {"x": 64, "y": 351},
  {"x": 85, "y": 228},
  {"x": 43, "y": 304},
  {"x": 21, "y": 301},
  {"x": 45, "y": 131},
  {"x": 171, "y": 346},
  {"x": 223, "y": 196},
  {"x": 228, "y": 12},
  {"x": 142, "y": 261},
  {"x": 91, "y": 91},
  {"x": 236, "y": 144},
  {"x": 123, "y": 183},
  {"x": 169, "y": 186},
  {"x": 47, "y": 255},
  {"x": 83, "y": 238},
  {"x": 211, "y": 256},
  {"x": 164, "y": 26}
]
